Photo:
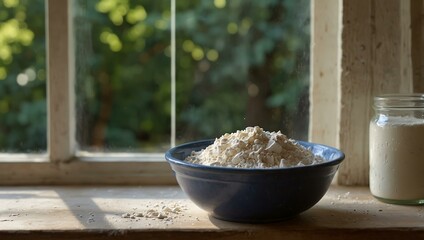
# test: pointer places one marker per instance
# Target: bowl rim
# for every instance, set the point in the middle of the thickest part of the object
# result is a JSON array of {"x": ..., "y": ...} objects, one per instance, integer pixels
[{"x": 173, "y": 160}]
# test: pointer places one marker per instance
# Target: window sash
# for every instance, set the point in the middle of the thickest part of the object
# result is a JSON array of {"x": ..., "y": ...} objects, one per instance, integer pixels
[
  {"x": 62, "y": 146},
  {"x": 63, "y": 163}
]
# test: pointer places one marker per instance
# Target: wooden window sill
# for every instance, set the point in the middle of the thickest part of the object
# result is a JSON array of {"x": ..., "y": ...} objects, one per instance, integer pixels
[{"x": 97, "y": 212}]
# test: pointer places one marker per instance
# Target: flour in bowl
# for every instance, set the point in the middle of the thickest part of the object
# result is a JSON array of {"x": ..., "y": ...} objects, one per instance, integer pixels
[{"x": 254, "y": 148}]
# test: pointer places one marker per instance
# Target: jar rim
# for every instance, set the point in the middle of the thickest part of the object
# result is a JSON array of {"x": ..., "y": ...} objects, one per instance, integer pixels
[{"x": 399, "y": 101}]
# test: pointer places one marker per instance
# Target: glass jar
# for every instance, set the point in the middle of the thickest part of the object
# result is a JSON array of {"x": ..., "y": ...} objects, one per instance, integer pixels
[{"x": 397, "y": 149}]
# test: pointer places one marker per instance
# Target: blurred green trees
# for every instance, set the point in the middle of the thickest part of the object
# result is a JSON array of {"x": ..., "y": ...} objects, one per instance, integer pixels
[
  {"x": 260, "y": 74},
  {"x": 22, "y": 76},
  {"x": 238, "y": 63}
]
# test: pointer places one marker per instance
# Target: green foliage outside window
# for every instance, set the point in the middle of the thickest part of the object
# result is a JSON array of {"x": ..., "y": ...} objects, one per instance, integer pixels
[
  {"x": 239, "y": 63},
  {"x": 22, "y": 76}
]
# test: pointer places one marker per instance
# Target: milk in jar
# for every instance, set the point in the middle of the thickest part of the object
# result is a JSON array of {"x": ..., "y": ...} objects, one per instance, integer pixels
[{"x": 397, "y": 149}]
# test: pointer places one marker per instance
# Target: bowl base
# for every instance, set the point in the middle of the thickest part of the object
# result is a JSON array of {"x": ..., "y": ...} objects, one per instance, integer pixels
[{"x": 253, "y": 220}]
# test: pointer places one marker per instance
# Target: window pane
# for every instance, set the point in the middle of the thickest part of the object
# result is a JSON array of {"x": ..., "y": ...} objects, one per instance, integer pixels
[
  {"x": 122, "y": 51},
  {"x": 22, "y": 76},
  {"x": 242, "y": 63},
  {"x": 238, "y": 63}
]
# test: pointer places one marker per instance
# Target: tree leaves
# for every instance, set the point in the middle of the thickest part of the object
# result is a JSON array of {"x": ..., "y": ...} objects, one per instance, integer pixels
[{"x": 123, "y": 69}]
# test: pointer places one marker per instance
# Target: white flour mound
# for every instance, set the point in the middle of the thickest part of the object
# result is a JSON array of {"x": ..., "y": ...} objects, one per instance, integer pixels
[{"x": 254, "y": 148}]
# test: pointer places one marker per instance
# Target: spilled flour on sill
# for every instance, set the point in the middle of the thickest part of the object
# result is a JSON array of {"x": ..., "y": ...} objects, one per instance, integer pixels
[
  {"x": 254, "y": 148},
  {"x": 161, "y": 211}
]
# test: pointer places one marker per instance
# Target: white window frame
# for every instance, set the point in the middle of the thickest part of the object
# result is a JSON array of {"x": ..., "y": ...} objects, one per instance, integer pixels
[
  {"x": 360, "y": 49},
  {"x": 349, "y": 59},
  {"x": 63, "y": 163}
]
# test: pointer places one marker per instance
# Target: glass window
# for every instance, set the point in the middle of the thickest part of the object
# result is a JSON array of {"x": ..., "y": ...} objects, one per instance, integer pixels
[
  {"x": 238, "y": 63},
  {"x": 22, "y": 76},
  {"x": 242, "y": 63},
  {"x": 123, "y": 75}
]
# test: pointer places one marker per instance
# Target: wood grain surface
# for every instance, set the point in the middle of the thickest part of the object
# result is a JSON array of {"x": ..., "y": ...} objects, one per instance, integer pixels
[{"x": 96, "y": 213}]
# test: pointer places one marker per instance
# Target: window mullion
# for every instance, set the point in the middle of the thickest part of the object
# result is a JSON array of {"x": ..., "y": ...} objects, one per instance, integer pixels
[{"x": 60, "y": 94}]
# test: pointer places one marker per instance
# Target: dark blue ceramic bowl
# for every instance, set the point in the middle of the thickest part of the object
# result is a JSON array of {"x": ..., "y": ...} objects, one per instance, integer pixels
[{"x": 254, "y": 195}]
